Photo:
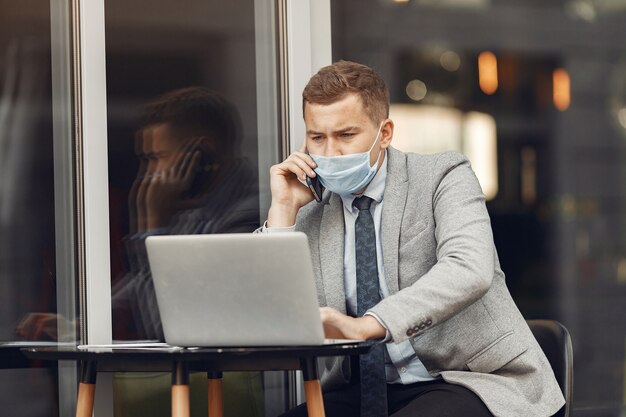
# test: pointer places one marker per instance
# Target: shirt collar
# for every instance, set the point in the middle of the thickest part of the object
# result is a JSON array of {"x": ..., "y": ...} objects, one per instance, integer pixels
[{"x": 375, "y": 189}]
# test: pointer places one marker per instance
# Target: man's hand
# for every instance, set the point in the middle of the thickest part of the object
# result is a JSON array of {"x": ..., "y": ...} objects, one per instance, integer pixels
[
  {"x": 140, "y": 203},
  {"x": 165, "y": 193},
  {"x": 43, "y": 326},
  {"x": 339, "y": 326},
  {"x": 289, "y": 194}
]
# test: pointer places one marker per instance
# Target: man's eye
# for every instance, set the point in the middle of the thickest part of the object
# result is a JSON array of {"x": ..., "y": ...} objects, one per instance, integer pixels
[
  {"x": 347, "y": 135},
  {"x": 316, "y": 138}
]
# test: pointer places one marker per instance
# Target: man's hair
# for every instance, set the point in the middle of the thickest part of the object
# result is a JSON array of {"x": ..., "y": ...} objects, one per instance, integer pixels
[
  {"x": 196, "y": 111},
  {"x": 334, "y": 82}
]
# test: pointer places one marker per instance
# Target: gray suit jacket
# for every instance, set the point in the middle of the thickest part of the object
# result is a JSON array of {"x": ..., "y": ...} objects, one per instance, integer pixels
[{"x": 447, "y": 292}]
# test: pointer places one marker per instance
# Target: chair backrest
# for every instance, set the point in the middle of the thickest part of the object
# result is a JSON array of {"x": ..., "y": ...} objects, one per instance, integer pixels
[{"x": 556, "y": 343}]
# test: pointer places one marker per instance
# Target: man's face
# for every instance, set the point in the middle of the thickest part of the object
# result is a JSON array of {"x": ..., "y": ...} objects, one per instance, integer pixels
[
  {"x": 163, "y": 148},
  {"x": 341, "y": 128}
]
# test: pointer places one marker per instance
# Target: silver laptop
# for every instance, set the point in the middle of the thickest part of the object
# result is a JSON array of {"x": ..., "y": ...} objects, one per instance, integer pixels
[{"x": 235, "y": 289}]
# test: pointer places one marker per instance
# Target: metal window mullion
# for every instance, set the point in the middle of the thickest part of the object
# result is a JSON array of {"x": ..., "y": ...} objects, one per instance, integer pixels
[
  {"x": 92, "y": 204},
  {"x": 308, "y": 47},
  {"x": 92, "y": 172},
  {"x": 298, "y": 19},
  {"x": 65, "y": 249},
  {"x": 78, "y": 166}
]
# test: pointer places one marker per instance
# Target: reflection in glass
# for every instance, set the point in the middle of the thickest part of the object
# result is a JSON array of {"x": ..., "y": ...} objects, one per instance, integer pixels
[
  {"x": 184, "y": 149},
  {"x": 28, "y": 270},
  {"x": 191, "y": 179},
  {"x": 182, "y": 136},
  {"x": 27, "y": 252}
]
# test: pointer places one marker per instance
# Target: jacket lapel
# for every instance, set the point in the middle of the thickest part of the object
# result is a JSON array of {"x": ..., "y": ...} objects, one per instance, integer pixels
[
  {"x": 394, "y": 201},
  {"x": 331, "y": 247}
]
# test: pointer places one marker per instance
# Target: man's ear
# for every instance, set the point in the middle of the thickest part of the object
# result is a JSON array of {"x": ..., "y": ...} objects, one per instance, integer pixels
[{"x": 386, "y": 133}]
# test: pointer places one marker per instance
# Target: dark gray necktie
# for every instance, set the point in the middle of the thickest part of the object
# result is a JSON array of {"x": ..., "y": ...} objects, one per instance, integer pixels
[{"x": 372, "y": 365}]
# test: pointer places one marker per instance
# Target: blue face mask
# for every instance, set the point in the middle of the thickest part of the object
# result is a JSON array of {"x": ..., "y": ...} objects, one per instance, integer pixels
[{"x": 346, "y": 174}]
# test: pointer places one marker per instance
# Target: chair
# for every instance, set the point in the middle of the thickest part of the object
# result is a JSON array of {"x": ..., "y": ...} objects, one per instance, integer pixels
[{"x": 556, "y": 343}]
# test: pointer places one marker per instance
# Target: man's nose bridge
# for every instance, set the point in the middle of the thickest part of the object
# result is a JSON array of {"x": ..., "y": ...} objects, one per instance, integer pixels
[{"x": 332, "y": 147}]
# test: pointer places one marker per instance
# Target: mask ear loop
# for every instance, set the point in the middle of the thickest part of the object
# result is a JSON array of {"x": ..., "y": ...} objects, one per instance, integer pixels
[{"x": 380, "y": 128}]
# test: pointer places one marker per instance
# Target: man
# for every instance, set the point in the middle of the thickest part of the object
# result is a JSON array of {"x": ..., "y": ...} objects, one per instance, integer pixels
[
  {"x": 403, "y": 253},
  {"x": 192, "y": 179}
]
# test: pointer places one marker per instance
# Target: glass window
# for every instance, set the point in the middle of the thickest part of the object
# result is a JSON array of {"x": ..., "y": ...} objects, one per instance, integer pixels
[
  {"x": 534, "y": 93},
  {"x": 27, "y": 252},
  {"x": 192, "y": 120},
  {"x": 37, "y": 288},
  {"x": 182, "y": 136}
]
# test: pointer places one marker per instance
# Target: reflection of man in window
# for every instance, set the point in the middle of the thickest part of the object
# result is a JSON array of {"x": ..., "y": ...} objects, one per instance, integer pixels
[{"x": 191, "y": 179}]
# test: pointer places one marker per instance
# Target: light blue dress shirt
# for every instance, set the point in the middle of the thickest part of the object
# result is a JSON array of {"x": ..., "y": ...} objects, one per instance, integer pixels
[{"x": 402, "y": 366}]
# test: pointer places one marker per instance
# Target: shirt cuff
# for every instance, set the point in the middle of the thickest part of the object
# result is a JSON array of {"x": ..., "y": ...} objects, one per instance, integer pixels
[
  {"x": 265, "y": 229},
  {"x": 387, "y": 338}
]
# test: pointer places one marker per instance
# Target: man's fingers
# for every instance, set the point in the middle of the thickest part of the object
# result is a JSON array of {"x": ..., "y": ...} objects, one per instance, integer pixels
[
  {"x": 191, "y": 145},
  {"x": 180, "y": 163},
  {"x": 304, "y": 157},
  {"x": 329, "y": 314},
  {"x": 38, "y": 330},
  {"x": 192, "y": 164},
  {"x": 184, "y": 155},
  {"x": 290, "y": 166},
  {"x": 32, "y": 327},
  {"x": 334, "y": 327},
  {"x": 181, "y": 168},
  {"x": 304, "y": 165}
]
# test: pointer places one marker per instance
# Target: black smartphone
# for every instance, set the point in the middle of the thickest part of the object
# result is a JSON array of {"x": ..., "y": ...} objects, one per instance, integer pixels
[{"x": 316, "y": 187}]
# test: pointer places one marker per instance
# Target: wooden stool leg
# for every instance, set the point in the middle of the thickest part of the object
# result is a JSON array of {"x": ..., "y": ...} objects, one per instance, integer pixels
[
  {"x": 312, "y": 388},
  {"x": 86, "y": 389},
  {"x": 180, "y": 390},
  {"x": 216, "y": 401}
]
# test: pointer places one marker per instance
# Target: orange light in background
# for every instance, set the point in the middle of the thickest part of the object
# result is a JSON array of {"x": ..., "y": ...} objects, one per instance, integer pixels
[
  {"x": 488, "y": 72},
  {"x": 561, "y": 89}
]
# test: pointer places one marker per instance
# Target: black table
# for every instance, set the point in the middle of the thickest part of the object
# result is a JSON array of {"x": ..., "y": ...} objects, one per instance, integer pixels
[
  {"x": 214, "y": 361},
  {"x": 11, "y": 356}
]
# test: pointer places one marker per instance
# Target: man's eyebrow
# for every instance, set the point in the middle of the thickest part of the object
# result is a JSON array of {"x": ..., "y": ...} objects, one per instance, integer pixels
[
  {"x": 341, "y": 130},
  {"x": 346, "y": 129}
]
